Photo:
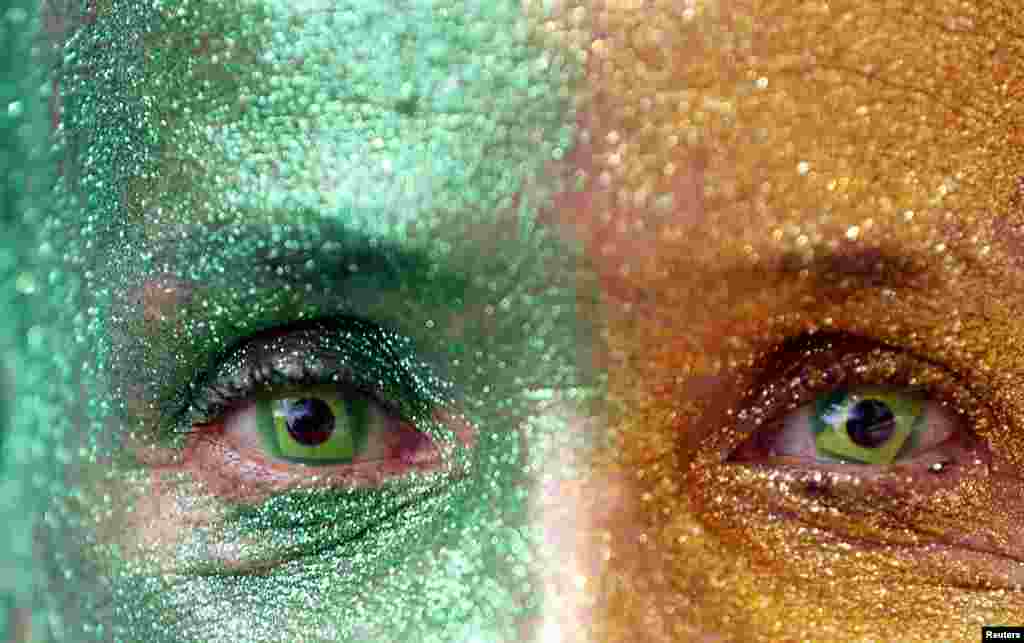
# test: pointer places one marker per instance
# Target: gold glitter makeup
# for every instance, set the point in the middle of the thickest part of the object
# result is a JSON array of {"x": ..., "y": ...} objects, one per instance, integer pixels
[{"x": 767, "y": 171}]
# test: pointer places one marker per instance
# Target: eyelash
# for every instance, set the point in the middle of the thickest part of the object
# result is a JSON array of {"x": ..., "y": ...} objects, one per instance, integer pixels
[
  {"x": 344, "y": 352},
  {"x": 815, "y": 364}
]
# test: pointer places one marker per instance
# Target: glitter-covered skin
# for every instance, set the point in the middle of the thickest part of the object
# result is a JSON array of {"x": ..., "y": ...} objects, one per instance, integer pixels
[
  {"x": 781, "y": 199},
  {"x": 801, "y": 196},
  {"x": 270, "y": 198}
]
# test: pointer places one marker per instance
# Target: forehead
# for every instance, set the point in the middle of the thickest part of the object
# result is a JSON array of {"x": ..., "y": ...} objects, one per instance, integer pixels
[
  {"x": 381, "y": 114},
  {"x": 797, "y": 124},
  {"x": 282, "y": 161},
  {"x": 791, "y": 126}
]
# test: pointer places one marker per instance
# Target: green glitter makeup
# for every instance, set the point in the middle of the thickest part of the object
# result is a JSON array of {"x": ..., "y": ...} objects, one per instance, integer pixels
[
  {"x": 333, "y": 206},
  {"x": 806, "y": 220},
  {"x": 34, "y": 365}
]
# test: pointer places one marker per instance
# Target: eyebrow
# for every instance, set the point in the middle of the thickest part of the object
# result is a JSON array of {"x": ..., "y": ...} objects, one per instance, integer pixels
[
  {"x": 866, "y": 267},
  {"x": 333, "y": 270},
  {"x": 349, "y": 253},
  {"x": 352, "y": 270}
]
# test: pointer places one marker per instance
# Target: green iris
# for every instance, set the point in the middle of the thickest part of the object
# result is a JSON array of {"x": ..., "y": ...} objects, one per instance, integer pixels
[
  {"x": 867, "y": 425},
  {"x": 328, "y": 428}
]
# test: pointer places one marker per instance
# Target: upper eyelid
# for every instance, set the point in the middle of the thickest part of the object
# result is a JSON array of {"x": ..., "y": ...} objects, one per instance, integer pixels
[
  {"x": 788, "y": 360},
  {"x": 838, "y": 342},
  {"x": 404, "y": 289},
  {"x": 303, "y": 334}
]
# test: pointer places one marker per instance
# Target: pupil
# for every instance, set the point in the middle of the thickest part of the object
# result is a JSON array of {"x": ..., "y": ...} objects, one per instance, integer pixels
[
  {"x": 871, "y": 423},
  {"x": 309, "y": 420}
]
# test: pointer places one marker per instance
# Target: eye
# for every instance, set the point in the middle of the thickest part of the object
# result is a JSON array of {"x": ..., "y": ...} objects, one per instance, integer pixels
[
  {"x": 341, "y": 403},
  {"x": 324, "y": 427},
  {"x": 873, "y": 425},
  {"x": 849, "y": 454},
  {"x": 848, "y": 401}
]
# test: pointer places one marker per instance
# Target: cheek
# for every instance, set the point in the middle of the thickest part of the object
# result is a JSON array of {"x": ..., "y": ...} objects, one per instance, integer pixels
[
  {"x": 174, "y": 516},
  {"x": 635, "y": 575},
  {"x": 163, "y": 514}
]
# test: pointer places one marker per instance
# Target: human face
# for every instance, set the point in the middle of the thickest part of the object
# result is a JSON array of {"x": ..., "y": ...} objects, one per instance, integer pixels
[
  {"x": 783, "y": 201},
  {"x": 808, "y": 205},
  {"x": 332, "y": 356}
]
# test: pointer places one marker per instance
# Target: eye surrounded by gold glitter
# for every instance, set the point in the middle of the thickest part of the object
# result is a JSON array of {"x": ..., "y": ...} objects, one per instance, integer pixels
[
  {"x": 942, "y": 507},
  {"x": 862, "y": 425},
  {"x": 849, "y": 401}
]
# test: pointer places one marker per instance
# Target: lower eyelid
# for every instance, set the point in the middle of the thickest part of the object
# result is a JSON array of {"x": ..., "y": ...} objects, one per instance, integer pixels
[
  {"x": 954, "y": 528},
  {"x": 242, "y": 473},
  {"x": 795, "y": 485},
  {"x": 840, "y": 497}
]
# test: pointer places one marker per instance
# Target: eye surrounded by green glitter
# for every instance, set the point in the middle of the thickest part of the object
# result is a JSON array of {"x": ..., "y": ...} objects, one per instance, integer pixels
[
  {"x": 866, "y": 425},
  {"x": 339, "y": 393}
]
